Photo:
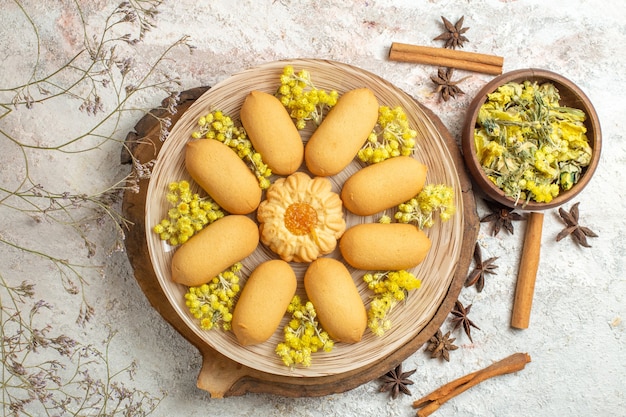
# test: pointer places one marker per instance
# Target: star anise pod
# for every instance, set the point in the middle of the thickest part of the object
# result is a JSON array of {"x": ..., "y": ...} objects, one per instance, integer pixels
[
  {"x": 440, "y": 345},
  {"x": 445, "y": 85},
  {"x": 454, "y": 33},
  {"x": 577, "y": 232},
  {"x": 396, "y": 382},
  {"x": 461, "y": 318},
  {"x": 501, "y": 216},
  {"x": 477, "y": 276}
]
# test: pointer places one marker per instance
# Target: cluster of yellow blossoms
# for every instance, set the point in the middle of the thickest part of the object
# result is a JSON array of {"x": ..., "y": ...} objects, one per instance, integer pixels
[
  {"x": 188, "y": 214},
  {"x": 434, "y": 198},
  {"x": 392, "y": 136},
  {"x": 389, "y": 289},
  {"x": 212, "y": 303},
  {"x": 302, "y": 99},
  {"x": 303, "y": 335}
]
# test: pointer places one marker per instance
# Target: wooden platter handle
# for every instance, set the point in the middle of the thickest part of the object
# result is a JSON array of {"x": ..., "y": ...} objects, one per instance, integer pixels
[
  {"x": 527, "y": 274},
  {"x": 219, "y": 374}
]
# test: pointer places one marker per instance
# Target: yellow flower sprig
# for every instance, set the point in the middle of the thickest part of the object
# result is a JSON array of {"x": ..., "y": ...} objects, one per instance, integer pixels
[
  {"x": 392, "y": 136},
  {"x": 421, "y": 210},
  {"x": 390, "y": 288},
  {"x": 303, "y": 336},
  {"x": 212, "y": 303},
  {"x": 189, "y": 213},
  {"x": 302, "y": 99}
]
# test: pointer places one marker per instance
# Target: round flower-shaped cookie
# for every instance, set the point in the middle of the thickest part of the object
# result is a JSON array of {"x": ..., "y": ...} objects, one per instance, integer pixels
[{"x": 301, "y": 218}]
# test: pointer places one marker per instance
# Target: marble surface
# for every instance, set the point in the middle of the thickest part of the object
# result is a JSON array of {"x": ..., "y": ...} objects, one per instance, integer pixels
[{"x": 577, "y": 334}]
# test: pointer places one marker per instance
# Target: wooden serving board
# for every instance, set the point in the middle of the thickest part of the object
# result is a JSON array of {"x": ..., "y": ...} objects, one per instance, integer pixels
[{"x": 221, "y": 376}]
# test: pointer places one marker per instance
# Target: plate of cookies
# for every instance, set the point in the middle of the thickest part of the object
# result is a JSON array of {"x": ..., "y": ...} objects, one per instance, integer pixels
[{"x": 304, "y": 218}]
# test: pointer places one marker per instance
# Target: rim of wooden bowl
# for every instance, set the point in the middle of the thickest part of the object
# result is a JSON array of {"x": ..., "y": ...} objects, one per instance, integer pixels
[{"x": 571, "y": 96}]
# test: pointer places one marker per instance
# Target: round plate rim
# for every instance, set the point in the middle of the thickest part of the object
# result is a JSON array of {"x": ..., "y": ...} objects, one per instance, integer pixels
[{"x": 298, "y": 62}]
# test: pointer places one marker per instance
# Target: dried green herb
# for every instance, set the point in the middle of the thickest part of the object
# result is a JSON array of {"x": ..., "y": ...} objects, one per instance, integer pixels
[{"x": 528, "y": 144}]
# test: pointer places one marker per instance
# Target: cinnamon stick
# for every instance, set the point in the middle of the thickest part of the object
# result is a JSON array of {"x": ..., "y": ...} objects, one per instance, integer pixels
[
  {"x": 527, "y": 273},
  {"x": 435, "y": 399},
  {"x": 442, "y": 57}
]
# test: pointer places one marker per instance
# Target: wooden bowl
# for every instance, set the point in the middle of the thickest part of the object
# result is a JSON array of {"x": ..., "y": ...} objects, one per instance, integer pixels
[{"x": 571, "y": 96}]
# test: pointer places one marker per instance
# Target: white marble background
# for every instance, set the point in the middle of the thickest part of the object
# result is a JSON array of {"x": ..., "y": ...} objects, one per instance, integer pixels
[{"x": 576, "y": 338}]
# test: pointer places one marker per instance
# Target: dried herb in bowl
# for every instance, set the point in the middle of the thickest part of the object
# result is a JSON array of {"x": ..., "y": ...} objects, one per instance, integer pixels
[{"x": 528, "y": 144}]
